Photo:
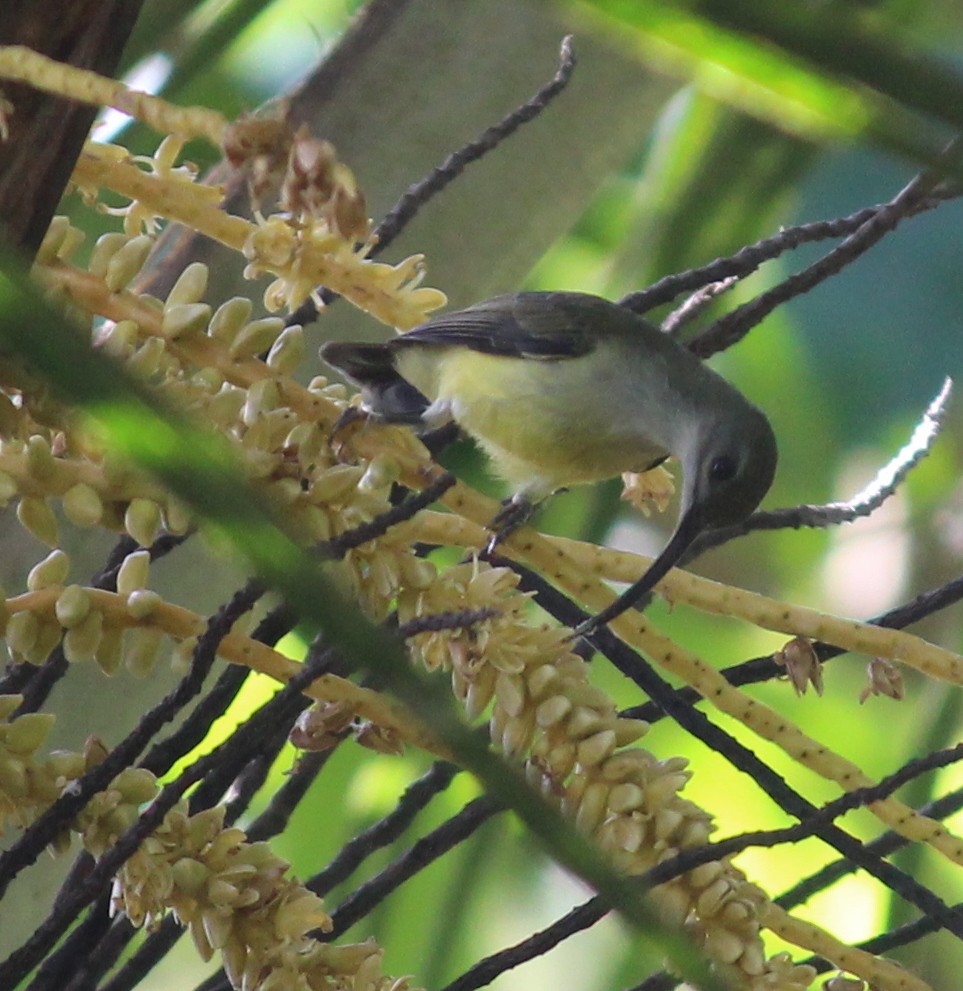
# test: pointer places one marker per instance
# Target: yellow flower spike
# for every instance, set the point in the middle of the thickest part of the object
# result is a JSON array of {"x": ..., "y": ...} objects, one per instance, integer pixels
[
  {"x": 52, "y": 570},
  {"x": 120, "y": 339},
  {"x": 105, "y": 247},
  {"x": 27, "y": 733},
  {"x": 49, "y": 635},
  {"x": 110, "y": 651},
  {"x": 302, "y": 258},
  {"x": 8, "y": 706},
  {"x": 133, "y": 572},
  {"x": 880, "y": 972},
  {"x": 190, "y": 286},
  {"x": 53, "y": 239},
  {"x": 142, "y": 603},
  {"x": 142, "y": 650},
  {"x": 288, "y": 351},
  {"x": 142, "y": 521},
  {"x": 82, "y": 505},
  {"x": 255, "y": 338},
  {"x": 21, "y": 635},
  {"x": 184, "y": 319},
  {"x": 591, "y": 808},
  {"x": 36, "y": 516},
  {"x": 229, "y": 318},
  {"x": 81, "y": 642},
  {"x": 72, "y": 606},
  {"x": 25, "y": 65},
  {"x": 770, "y": 614},
  {"x": 146, "y": 360},
  {"x": 594, "y": 749},
  {"x": 261, "y": 398},
  {"x": 552, "y": 711},
  {"x": 72, "y": 240},
  {"x": 724, "y": 946},
  {"x": 626, "y": 797},
  {"x": 125, "y": 263},
  {"x": 40, "y": 462}
]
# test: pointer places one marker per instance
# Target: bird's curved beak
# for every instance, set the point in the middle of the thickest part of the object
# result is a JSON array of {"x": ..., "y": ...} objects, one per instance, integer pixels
[{"x": 688, "y": 528}]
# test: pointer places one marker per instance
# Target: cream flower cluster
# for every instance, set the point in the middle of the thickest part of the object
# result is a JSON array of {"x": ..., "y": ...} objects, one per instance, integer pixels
[
  {"x": 580, "y": 754},
  {"x": 234, "y": 897}
]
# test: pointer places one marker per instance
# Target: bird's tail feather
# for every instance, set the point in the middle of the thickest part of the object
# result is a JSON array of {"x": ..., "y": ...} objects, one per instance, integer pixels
[{"x": 371, "y": 366}]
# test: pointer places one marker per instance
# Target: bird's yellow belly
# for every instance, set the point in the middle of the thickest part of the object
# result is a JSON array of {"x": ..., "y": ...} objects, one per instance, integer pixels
[{"x": 543, "y": 424}]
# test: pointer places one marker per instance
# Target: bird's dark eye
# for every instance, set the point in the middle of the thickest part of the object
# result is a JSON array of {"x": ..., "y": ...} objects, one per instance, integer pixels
[{"x": 723, "y": 468}]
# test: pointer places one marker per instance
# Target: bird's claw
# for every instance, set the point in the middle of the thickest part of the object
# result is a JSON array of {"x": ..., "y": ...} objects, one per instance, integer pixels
[
  {"x": 514, "y": 513},
  {"x": 585, "y": 629}
]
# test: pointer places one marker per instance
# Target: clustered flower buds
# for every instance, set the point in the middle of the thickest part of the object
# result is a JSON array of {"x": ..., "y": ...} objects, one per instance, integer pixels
[{"x": 580, "y": 754}]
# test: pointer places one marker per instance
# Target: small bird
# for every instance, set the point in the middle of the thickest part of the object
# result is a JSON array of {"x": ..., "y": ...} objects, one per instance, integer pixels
[{"x": 560, "y": 388}]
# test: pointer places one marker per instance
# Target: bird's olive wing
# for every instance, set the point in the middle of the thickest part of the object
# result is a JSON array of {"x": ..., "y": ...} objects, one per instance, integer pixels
[{"x": 521, "y": 325}]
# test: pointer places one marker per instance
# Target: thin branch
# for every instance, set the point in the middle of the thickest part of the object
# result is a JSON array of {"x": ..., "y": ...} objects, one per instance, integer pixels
[
  {"x": 338, "y": 546},
  {"x": 423, "y": 191},
  {"x": 748, "y": 259},
  {"x": 695, "y": 304},
  {"x": 416, "y": 796},
  {"x": 146, "y": 957},
  {"x": 461, "y": 619},
  {"x": 425, "y": 851},
  {"x": 731, "y": 328},
  {"x": 404, "y": 211},
  {"x": 884, "y": 845},
  {"x": 536, "y": 945},
  {"x": 274, "y": 819}
]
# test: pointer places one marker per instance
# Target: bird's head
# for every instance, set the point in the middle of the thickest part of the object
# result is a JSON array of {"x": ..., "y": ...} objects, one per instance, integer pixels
[{"x": 728, "y": 470}]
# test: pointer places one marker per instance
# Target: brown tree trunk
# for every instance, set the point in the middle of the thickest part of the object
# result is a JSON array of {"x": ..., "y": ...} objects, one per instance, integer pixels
[{"x": 46, "y": 132}]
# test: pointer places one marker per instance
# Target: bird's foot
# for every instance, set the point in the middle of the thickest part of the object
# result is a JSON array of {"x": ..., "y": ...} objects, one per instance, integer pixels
[
  {"x": 515, "y": 512},
  {"x": 350, "y": 420},
  {"x": 585, "y": 629}
]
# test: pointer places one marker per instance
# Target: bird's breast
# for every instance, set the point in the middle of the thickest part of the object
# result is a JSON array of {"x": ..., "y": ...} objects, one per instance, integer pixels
[{"x": 545, "y": 423}]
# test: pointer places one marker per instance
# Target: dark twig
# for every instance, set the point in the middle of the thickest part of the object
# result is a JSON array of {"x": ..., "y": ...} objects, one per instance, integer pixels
[
  {"x": 403, "y": 212},
  {"x": 423, "y": 191},
  {"x": 731, "y": 328},
  {"x": 884, "y": 845},
  {"x": 426, "y": 850},
  {"x": 697, "y": 303},
  {"x": 416, "y": 796},
  {"x": 461, "y": 619},
  {"x": 157, "y": 945},
  {"x": 58, "y": 972},
  {"x": 539, "y": 943},
  {"x": 748, "y": 259},
  {"x": 338, "y": 546}
]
